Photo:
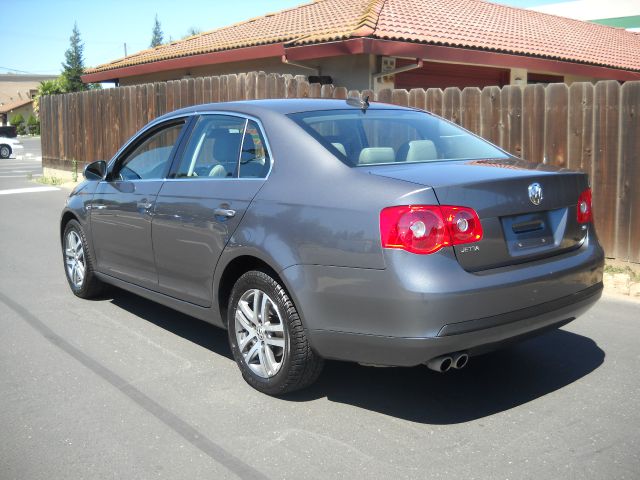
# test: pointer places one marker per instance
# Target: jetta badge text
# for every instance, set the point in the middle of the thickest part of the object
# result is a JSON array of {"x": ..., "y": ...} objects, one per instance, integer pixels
[{"x": 535, "y": 193}]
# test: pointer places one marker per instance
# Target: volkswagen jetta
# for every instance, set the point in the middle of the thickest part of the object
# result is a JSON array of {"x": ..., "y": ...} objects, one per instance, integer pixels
[{"x": 325, "y": 229}]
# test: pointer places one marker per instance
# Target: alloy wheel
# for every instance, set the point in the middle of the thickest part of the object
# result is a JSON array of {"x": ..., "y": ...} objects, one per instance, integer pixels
[
  {"x": 259, "y": 332},
  {"x": 74, "y": 258}
]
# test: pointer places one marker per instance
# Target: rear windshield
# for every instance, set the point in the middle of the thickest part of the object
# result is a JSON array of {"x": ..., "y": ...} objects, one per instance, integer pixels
[{"x": 378, "y": 137}]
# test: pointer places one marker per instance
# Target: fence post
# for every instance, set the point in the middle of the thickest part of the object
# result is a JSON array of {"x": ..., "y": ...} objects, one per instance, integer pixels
[
  {"x": 261, "y": 85},
  {"x": 291, "y": 87},
  {"x": 491, "y": 126},
  {"x": 384, "y": 95},
  {"x": 340, "y": 92},
  {"x": 399, "y": 96},
  {"x": 326, "y": 91},
  {"x": 470, "y": 114},
  {"x": 555, "y": 124},
  {"x": 369, "y": 94},
  {"x": 451, "y": 104},
  {"x": 606, "y": 142},
  {"x": 302, "y": 90},
  {"x": 418, "y": 98},
  {"x": 512, "y": 119},
  {"x": 533, "y": 123},
  {"x": 272, "y": 85},
  {"x": 434, "y": 100},
  {"x": 198, "y": 94}
]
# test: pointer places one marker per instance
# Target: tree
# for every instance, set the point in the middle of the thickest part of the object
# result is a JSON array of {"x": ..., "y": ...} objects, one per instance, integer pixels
[
  {"x": 157, "y": 37},
  {"x": 48, "y": 87},
  {"x": 192, "y": 31},
  {"x": 73, "y": 66}
]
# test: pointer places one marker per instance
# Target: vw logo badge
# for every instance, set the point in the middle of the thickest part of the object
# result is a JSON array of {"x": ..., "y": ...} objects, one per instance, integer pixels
[{"x": 535, "y": 193}]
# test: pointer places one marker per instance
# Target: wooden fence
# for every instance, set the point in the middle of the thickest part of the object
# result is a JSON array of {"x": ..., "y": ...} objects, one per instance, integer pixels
[{"x": 593, "y": 128}]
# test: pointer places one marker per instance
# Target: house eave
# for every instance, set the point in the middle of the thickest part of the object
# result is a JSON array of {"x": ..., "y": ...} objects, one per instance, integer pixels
[
  {"x": 191, "y": 61},
  {"x": 374, "y": 46}
]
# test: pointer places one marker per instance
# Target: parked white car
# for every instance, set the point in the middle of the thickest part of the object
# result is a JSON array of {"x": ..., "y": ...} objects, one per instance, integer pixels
[{"x": 8, "y": 146}]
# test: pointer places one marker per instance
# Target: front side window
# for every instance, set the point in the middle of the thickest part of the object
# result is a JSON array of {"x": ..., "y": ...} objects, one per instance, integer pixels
[
  {"x": 150, "y": 159},
  {"x": 213, "y": 149},
  {"x": 375, "y": 137}
]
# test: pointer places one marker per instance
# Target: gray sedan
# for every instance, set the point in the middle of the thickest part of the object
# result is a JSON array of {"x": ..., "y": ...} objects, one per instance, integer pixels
[{"x": 325, "y": 229}]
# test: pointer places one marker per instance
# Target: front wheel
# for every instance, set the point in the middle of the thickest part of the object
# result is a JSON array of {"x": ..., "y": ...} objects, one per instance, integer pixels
[
  {"x": 267, "y": 338},
  {"x": 5, "y": 151}
]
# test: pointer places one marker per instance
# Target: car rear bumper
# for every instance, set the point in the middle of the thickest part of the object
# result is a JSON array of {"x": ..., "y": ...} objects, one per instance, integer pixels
[
  {"x": 474, "y": 337},
  {"x": 423, "y": 306}
]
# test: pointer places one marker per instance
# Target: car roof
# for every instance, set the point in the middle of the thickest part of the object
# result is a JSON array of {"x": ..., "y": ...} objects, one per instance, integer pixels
[{"x": 281, "y": 106}]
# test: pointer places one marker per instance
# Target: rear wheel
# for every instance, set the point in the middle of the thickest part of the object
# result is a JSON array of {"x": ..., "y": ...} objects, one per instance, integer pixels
[
  {"x": 267, "y": 338},
  {"x": 5, "y": 151},
  {"x": 78, "y": 263}
]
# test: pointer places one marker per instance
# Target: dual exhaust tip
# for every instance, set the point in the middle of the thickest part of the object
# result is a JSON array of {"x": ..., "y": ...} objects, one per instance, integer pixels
[{"x": 444, "y": 363}]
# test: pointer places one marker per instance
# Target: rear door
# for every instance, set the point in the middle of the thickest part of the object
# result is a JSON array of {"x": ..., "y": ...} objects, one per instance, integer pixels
[
  {"x": 122, "y": 207},
  {"x": 223, "y": 166}
]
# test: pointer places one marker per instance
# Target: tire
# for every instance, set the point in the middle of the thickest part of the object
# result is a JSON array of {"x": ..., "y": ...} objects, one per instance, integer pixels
[
  {"x": 274, "y": 356},
  {"x": 5, "y": 151},
  {"x": 79, "y": 266}
]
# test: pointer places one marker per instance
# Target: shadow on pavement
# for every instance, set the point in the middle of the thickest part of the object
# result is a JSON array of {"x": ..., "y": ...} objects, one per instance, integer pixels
[
  {"x": 189, "y": 328},
  {"x": 490, "y": 384}
]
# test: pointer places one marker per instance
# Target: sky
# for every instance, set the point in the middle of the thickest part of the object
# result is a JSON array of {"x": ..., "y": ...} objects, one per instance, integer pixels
[{"x": 36, "y": 32}]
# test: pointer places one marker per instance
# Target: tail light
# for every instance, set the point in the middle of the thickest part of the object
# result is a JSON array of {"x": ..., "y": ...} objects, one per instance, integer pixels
[
  {"x": 584, "y": 209},
  {"x": 426, "y": 229}
]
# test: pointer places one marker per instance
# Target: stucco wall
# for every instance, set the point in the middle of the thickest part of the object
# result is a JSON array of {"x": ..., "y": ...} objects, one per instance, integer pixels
[
  {"x": 26, "y": 111},
  {"x": 351, "y": 71}
]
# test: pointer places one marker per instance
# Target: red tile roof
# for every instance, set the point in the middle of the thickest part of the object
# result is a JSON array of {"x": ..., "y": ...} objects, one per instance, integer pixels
[{"x": 473, "y": 24}]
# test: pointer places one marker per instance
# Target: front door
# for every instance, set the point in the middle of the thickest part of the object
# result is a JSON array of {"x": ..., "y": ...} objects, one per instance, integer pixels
[
  {"x": 199, "y": 208},
  {"x": 122, "y": 207}
]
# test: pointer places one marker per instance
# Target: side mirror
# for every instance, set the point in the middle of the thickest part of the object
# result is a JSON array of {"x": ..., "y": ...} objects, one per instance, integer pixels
[{"x": 96, "y": 170}]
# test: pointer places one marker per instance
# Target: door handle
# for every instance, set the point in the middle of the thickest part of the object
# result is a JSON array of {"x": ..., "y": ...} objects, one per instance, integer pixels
[
  {"x": 96, "y": 206},
  {"x": 224, "y": 212}
]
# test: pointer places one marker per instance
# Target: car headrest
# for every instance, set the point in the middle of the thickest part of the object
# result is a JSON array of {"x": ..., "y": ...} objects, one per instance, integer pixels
[
  {"x": 417, "y": 151},
  {"x": 373, "y": 155},
  {"x": 226, "y": 148},
  {"x": 421, "y": 150}
]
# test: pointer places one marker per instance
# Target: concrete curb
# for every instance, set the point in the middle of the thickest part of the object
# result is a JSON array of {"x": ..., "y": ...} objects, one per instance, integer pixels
[{"x": 621, "y": 283}]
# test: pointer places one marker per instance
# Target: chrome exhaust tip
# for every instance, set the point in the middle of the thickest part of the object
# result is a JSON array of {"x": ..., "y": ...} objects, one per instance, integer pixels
[
  {"x": 460, "y": 360},
  {"x": 440, "y": 364}
]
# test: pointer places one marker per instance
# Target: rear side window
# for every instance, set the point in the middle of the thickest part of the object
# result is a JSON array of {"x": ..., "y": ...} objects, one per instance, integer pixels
[
  {"x": 375, "y": 137},
  {"x": 254, "y": 159},
  {"x": 224, "y": 146}
]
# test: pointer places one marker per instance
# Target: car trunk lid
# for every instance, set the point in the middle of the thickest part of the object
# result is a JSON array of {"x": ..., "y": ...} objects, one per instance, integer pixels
[{"x": 515, "y": 229}]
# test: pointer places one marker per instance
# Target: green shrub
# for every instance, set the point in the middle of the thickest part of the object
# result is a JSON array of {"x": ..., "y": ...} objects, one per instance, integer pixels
[
  {"x": 33, "y": 125},
  {"x": 16, "y": 120}
]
